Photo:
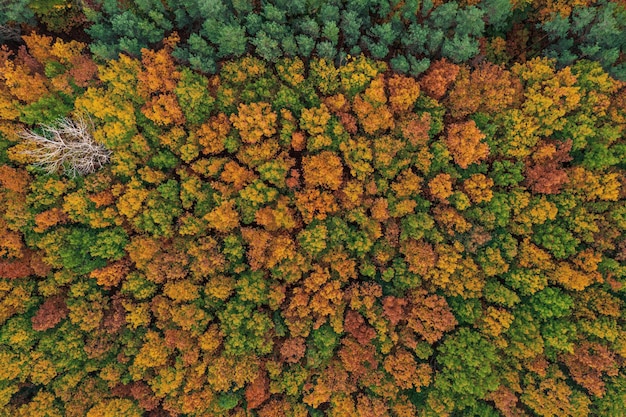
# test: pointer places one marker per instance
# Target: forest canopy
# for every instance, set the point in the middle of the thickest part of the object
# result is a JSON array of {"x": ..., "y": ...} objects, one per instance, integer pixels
[{"x": 306, "y": 208}]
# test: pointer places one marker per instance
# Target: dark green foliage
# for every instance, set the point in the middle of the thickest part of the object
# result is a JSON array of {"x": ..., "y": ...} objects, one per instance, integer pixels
[
  {"x": 596, "y": 32},
  {"x": 226, "y": 29}
]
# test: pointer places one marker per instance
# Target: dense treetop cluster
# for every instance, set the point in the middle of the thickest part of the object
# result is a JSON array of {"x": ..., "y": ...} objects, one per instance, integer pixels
[{"x": 346, "y": 208}]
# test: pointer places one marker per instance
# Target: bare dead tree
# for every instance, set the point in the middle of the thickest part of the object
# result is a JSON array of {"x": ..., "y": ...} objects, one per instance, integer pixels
[
  {"x": 66, "y": 145},
  {"x": 9, "y": 33}
]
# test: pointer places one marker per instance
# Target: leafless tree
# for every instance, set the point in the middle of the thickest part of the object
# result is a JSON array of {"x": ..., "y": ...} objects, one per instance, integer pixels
[
  {"x": 66, "y": 145},
  {"x": 9, "y": 33}
]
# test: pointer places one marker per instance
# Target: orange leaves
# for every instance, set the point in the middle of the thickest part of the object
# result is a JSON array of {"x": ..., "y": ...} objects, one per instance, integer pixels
[
  {"x": 429, "y": 315},
  {"x": 415, "y": 128},
  {"x": 212, "y": 134},
  {"x": 324, "y": 169},
  {"x": 254, "y": 121},
  {"x": 406, "y": 372},
  {"x": 489, "y": 89},
  {"x": 224, "y": 217},
  {"x": 544, "y": 174},
  {"x": 49, "y": 218},
  {"x": 440, "y": 186},
  {"x": 407, "y": 184},
  {"x": 164, "y": 110},
  {"x": 112, "y": 274},
  {"x": 12, "y": 179},
  {"x": 293, "y": 350},
  {"x": 315, "y": 204},
  {"x": 464, "y": 142},
  {"x": 371, "y": 109},
  {"x": 438, "y": 78},
  {"x": 403, "y": 91},
  {"x": 258, "y": 391},
  {"x": 159, "y": 74},
  {"x": 22, "y": 83},
  {"x": 419, "y": 255}
]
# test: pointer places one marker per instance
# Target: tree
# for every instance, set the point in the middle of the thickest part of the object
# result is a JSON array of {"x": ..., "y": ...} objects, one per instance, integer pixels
[
  {"x": 464, "y": 142},
  {"x": 66, "y": 146}
]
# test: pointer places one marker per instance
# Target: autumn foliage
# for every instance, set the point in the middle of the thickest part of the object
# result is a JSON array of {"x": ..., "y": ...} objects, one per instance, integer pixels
[{"x": 301, "y": 238}]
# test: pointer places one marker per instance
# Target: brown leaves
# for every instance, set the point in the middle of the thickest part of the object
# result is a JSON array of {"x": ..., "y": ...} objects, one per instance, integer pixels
[
  {"x": 257, "y": 392},
  {"x": 293, "y": 350},
  {"x": 587, "y": 365},
  {"x": 545, "y": 173},
  {"x": 429, "y": 316},
  {"x": 50, "y": 313}
]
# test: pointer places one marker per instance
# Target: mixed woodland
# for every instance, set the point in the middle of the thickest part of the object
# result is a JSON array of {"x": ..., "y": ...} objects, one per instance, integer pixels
[{"x": 368, "y": 208}]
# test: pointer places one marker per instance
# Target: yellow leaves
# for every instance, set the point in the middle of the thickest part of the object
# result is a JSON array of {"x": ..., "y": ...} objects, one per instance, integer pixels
[
  {"x": 211, "y": 339},
  {"x": 537, "y": 212},
  {"x": 478, "y": 188},
  {"x": 325, "y": 75},
  {"x": 495, "y": 321},
  {"x": 181, "y": 290},
  {"x": 130, "y": 203},
  {"x": 254, "y": 121},
  {"x": 590, "y": 186},
  {"x": 116, "y": 407},
  {"x": 357, "y": 155},
  {"x": 324, "y": 170},
  {"x": 42, "y": 370},
  {"x": 224, "y": 217},
  {"x": 245, "y": 69},
  {"x": 315, "y": 120},
  {"x": 291, "y": 70},
  {"x": 407, "y": 184},
  {"x": 220, "y": 287},
  {"x": 572, "y": 279},
  {"x": 121, "y": 76},
  {"x": 153, "y": 353},
  {"x": 106, "y": 105},
  {"x": 549, "y": 95},
  {"x": 358, "y": 72}
]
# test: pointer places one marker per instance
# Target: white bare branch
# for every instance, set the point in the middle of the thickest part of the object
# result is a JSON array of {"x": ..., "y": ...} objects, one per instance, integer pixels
[{"x": 66, "y": 145}]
